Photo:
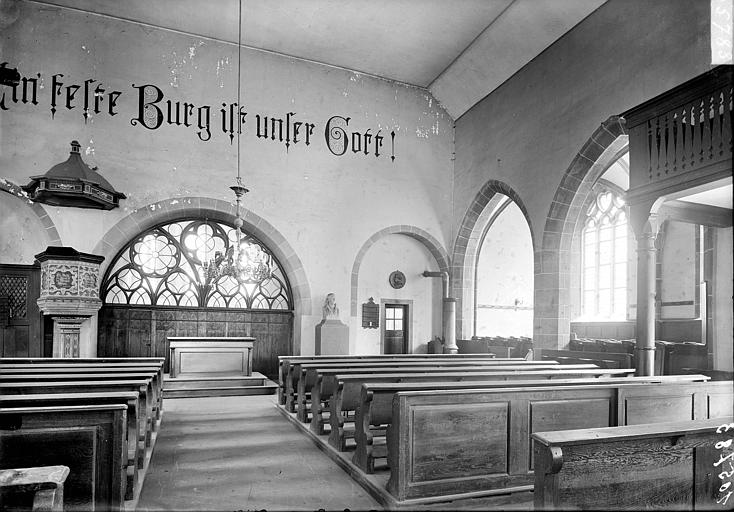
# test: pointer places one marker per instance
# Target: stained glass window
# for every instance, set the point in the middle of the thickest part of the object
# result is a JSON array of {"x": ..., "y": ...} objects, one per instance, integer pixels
[
  {"x": 165, "y": 267},
  {"x": 604, "y": 250}
]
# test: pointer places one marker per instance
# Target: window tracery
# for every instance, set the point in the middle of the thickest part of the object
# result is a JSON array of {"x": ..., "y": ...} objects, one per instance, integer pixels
[
  {"x": 604, "y": 253},
  {"x": 166, "y": 266}
]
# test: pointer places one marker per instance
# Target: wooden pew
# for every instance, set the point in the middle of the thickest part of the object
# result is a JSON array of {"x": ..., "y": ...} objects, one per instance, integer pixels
[
  {"x": 624, "y": 359},
  {"x": 42, "y": 374},
  {"x": 135, "y": 421},
  {"x": 304, "y": 375},
  {"x": 38, "y": 489},
  {"x": 90, "y": 440},
  {"x": 327, "y": 382},
  {"x": 284, "y": 363},
  {"x": 319, "y": 379},
  {"x": 374, "y": 409},
  {"x": 82, "y": 360},
  {"x": 448, "y": 443},
  {"x": 155, "y": 370},
  {"x": 65, "y": 366},
  {"x": 140, "y": 386},
  {"x": 346, "y": 398},
  {"x": 668, "y": 466}
]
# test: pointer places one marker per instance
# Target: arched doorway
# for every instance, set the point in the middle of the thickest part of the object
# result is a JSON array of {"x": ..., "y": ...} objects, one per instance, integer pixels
[{"x": 157, "y": 286}]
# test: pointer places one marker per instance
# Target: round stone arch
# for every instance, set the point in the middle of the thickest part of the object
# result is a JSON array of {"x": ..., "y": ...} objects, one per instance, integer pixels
[
  {"x": 552, "y": 301},
  {"x": 169, "y": 210},
  {"x": 428, "y": 240},
  {"x": 51, "y": 232},
  {"x": 477, "y": 219}
]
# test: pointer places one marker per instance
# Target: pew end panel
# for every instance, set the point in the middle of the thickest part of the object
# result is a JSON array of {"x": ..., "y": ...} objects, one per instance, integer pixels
[
  {"x": 39, "y": 489},
  {"x": 665, "y": 466},
  {"x": 90, "y": 440}
]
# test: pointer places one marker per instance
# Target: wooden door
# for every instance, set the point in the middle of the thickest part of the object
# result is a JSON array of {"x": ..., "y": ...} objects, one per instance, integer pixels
[
  {"x": 396, "y": 329},
  {"x": 20, "y": 327}
]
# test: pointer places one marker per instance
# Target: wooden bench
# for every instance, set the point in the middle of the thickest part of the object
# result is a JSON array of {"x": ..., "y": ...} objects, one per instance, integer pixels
[
  {"x": 449, "y": 443},
  {"x": 90, "y": 440},
  {"x": 38, "y": 489},
  {"x": 100, "y": 374},
  {"x": 154, "y": 371},
  {"x": 669, "y": 466},
  {"x": 623, "y": 359},
  {"x": 284, "y": 363},
  {"x": 136, "y": 421},
  {"x": 346, "y": 398},
  {"x": 374, "y": 410},
  {"x": 140, "y": 386},
  {"x": 82, "y": 360},
  {"x": 327, "y": 382},
  {"x": 319, "y": 380},
  {"x": 304, "y": 375}
]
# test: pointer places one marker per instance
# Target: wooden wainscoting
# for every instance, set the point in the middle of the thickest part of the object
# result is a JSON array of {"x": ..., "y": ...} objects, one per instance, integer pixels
[{"x": 142, "y": 331}]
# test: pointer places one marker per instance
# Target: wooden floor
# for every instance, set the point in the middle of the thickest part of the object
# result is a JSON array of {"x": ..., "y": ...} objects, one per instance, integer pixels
[{"x": 239, "y": 453}]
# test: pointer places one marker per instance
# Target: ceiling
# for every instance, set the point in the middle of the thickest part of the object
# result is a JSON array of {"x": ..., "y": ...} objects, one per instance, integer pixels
[
  {"x": 720, "y": 196},
  {"x": 460, "y": 50}
]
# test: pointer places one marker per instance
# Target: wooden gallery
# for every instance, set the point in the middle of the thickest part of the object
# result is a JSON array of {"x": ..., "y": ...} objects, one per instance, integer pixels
[{"x": 386, "y": 255}]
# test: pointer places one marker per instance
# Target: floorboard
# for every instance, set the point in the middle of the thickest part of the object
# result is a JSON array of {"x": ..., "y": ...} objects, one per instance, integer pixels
[{"x": 238, "y": 453}]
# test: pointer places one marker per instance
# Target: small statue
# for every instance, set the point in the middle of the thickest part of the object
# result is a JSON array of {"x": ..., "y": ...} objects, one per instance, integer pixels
[{"x": 330, "y": 310}]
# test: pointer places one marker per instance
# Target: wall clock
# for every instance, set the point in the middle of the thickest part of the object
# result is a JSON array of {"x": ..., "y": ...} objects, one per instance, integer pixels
[{"x": 397, "y": 279}]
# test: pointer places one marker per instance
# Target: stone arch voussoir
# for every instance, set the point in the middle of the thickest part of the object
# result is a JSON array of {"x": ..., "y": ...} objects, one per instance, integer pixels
[
  {"x": 552, "y": 300},
  {"x": 466, "y": 248}
]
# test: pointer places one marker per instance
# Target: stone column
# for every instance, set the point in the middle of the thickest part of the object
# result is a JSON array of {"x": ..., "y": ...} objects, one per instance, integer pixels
[
  {"x": 646, "y": 299},
  {"x": 449, "y": 326}
]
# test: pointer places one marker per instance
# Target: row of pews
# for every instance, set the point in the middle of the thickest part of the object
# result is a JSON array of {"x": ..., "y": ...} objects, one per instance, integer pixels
[
  {"x": 501, "y": 346},
  {"x": 96, "y": 417},
  {"x": 670, "y": 357},
  {"x": 422, "y": 429}
]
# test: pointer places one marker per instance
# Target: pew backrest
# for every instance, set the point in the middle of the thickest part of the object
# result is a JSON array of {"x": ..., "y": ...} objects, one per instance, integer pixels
[{"x": 284, "y": 362}]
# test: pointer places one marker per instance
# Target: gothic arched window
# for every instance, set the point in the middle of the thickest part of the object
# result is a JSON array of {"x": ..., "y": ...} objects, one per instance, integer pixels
[
  {"x": 604, "y": 255},
  {"x": 165, "y": 266}
]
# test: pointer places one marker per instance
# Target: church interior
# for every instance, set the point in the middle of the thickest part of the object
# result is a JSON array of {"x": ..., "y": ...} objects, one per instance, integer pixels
[{"x": 387, "y": 255}]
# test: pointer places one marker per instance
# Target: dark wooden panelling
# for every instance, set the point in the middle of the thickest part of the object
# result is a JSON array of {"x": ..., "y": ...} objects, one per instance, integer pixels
[
  {"x": 553, "y": 415},
  {"x": 477, "y": 443},
  {"x": 141, "y": 331}
]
